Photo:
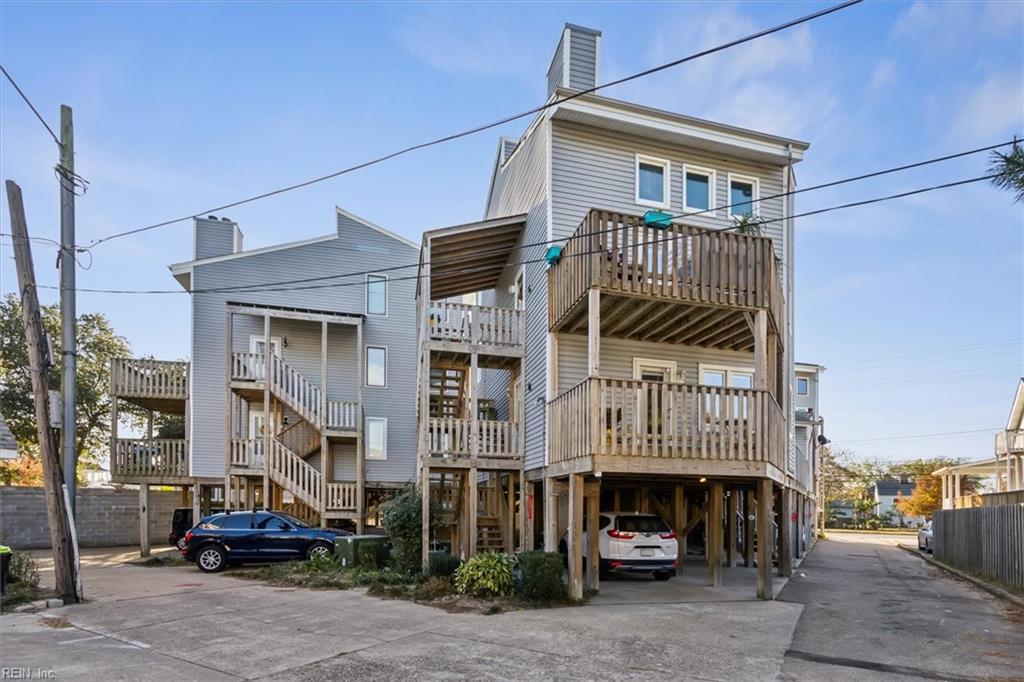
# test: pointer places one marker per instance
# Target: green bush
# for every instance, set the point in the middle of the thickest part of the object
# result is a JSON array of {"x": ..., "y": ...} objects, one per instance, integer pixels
[
  {"x": 443, "y": 564},
  {"x": 541, "y": 576},
  {"x": 402, "y": 517},
  {"x": 485, "y": 575},
  {"x": 433, "y": 588},
  {"x": 23, "y": 569},
  {"x": 372, "y": 554}
]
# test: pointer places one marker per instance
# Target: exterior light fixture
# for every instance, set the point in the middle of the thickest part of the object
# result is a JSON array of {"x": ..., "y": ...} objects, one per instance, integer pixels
[{"x": 703, "y": 479}]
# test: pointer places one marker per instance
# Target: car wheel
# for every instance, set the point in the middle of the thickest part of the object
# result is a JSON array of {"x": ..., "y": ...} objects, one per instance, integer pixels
[
  {"x": 211, "y": 559},
  {"x": 662, "y": 575},
  {"x": 319, "y": 550},
  {"x": 181, "y": 542}
]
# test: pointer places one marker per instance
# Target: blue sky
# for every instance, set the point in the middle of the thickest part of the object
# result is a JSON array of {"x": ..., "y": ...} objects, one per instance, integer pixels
[{"x": 913, "y": 305}]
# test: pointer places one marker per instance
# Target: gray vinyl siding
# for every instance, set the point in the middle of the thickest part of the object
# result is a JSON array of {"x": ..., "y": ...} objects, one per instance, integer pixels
[
  {"x": 213, "y": 237},
  {"x": 803, "y": 402},
  {"x": 617, "y": 358},
  {"x": 556, "y": 70},
  {"x": 582, "y": 59},
  {"x": 356, "y": 247},
  {"x": 592, "y": 168},
  {"x": 520, "y": 186}
]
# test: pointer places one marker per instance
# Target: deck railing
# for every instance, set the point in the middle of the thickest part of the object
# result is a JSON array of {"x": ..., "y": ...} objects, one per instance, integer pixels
[
  {"x": 602, "y": 416},
  {"x": 144, "y": 458},
  {"x": 341, "y": 496},
  {"x": 619, "y": 253},
  {"x": 294, "y": 474},
  {"x": 1009, "y": 441},
  {"x": 466, "y": 323},
  {"x": 146, "y": 378},
  {"x": 343, "y": 415},
  {"x": 450, "y": 437},
  {"x": 248, "y": 367},
  {"x": 247, "y": 453}
]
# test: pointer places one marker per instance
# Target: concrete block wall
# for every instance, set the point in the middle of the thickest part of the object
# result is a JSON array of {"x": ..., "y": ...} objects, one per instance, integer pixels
[{"x": 105, "y": 518}]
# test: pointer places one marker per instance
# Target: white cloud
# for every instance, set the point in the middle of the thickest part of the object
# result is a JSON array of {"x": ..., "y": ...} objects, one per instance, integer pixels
[
  {"x": 995, "y": 107},
  {"x": 944, "y": 29},
  {"x": 883, "y": 76}
]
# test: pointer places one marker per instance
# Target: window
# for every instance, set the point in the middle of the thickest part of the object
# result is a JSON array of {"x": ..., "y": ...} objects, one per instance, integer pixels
[
  {"x": 652, "y": 181},
  {"x": 270, "y": 522},
  {"x": 732, "y": 377},
  {"x": 376, "y": 366},
  {"x": 698, "y": 189},
  {"x": 801, "y": 386},
  {"x": 376, "y": 295},
  {"x": 233, "y": 522},
  {"x": 376, "y": 438},
  {"x": 743, "y": 193},
  {"x": 654, "y": 370},
  {"x": 257, "y": 341}
]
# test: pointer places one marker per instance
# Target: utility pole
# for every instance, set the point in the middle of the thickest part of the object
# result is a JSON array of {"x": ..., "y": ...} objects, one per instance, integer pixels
[
  {"x": 57, "y": 512},
  {"x": 69, "y": 357}
]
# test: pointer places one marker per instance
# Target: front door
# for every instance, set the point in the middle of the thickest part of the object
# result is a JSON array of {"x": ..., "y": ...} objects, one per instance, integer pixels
[{"x": 650, "y": 410}]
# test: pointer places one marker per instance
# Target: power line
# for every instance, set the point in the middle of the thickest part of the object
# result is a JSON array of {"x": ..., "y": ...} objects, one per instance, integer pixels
[
  {"x": 842, "y": 362},
  {"x": 493, "y": 124},
  {"x": 258, "y": 288},
  {"x": 31, "y": 106},
  {"x": 919, "y": 435}
]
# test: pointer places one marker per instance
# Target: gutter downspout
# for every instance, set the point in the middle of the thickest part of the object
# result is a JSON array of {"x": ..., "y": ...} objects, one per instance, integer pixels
[{"x": 788, "y": 183}]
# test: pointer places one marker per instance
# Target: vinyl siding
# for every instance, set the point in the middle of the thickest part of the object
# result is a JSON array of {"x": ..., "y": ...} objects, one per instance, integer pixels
[
  {"x": 582, "y": 59},
  {"x": 520, "y": 186},
  {"x": 803, "y": 402},
  {"x": 356, "y": 246},
  {"x": 557, "y": 68},
  {"x": 213, "y": 237}
]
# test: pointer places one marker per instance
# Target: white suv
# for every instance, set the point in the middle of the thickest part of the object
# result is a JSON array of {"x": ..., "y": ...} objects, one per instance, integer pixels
[{"x": 633, "y": 543}]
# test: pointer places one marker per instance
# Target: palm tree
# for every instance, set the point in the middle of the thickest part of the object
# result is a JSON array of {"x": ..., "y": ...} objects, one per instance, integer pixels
[
  {"x": 863, "y": 507},
  {"x": 1008, "y": 169}
]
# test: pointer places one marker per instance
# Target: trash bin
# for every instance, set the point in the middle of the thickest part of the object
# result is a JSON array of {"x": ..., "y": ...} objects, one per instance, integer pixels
[
  {"x": 369, "y": 551},
  {"x": 5, "y": 565}
]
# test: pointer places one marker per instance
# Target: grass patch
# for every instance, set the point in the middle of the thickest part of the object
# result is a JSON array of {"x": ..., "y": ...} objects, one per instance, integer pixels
[{"x": 173, "y": 559}]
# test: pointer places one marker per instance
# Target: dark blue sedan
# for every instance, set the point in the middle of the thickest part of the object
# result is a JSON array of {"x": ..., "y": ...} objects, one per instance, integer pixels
[{"x": 255, "y": 537}]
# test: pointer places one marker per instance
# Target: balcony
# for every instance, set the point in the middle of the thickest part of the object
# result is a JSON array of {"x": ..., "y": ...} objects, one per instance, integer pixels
[
  {"x": 668, "y": 428},
  {"x": 467, "y": 327},
  {"x": 680, "y": 284},
  {"x": 487, "y": 439},
  {"x": 157, "y": 461},
  {"x": 1009, "y": 442},
  {"x": 159, "y": 385}
]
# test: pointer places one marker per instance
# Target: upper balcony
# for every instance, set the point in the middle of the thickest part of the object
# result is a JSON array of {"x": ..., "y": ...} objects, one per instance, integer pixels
[
  {"x": 159, "y": 385},
  {"x": 466, "y": 327},
  {"x": 673, "y": 283},
  {"x": 1010, "y": 442}
]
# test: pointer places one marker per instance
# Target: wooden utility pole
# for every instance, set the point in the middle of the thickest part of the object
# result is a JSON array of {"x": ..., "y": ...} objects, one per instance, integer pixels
[
  {"x": 68, "y": 335},
  {"x": 64, "y": 564}
]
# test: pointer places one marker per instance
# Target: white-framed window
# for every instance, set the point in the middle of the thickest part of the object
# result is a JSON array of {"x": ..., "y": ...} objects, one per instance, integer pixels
[
  {"x": 726, "y": 375},
  {"x": 376, "y": 295},
  {"x": 744, "y": 191},
  {"x": 256, "y": 343},
  {"x": 376, "y": 366},
  {"x": 653, "y": 178},
  {"x": 802, "y": 386},
  {"x": 698, "y": 189},
  {"x": 376, "y": 438},
  {"x": 647, "y": 369}
]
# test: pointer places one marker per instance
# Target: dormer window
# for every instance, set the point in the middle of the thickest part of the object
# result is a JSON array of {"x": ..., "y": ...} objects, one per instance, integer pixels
[{"x": 652, "y": 181}]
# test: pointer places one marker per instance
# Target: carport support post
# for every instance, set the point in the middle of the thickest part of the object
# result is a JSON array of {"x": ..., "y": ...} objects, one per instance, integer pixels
[
  {"x": 679, "y": 511},
  {"x": 550, "y": 515},
  {"x": 764, "y": 538},
  {"x": 593, "y": 546},
  {"x": 714, "y": 534},
  {"x": 144, "y": 519},
  {"x": 748, "y": 528},
  {"x": 197, "y": 510},
  {"x": 474, "y": 499},
  {"x": 732, "y": 512},
  {"x": 785, "y": 532},
  {"x": 576, "y": 536}
]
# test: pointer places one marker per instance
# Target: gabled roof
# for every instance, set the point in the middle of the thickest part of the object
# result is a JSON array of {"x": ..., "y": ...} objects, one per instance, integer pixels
[
  {"x": 1016, "y": 419},
  {"x": 891, "y": 486}
]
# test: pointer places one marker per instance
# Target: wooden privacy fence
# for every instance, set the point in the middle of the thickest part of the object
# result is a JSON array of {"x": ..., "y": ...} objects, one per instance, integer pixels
[
  {"x": 145, "y": 378},
  {"x": 626, "y": 417},
  {"x": 619, "y": 253},
  {"x": 986, "y": 541}
]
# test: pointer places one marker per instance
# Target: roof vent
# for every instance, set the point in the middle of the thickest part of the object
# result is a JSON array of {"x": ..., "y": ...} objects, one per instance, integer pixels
[{"x": 211, "y": 217}]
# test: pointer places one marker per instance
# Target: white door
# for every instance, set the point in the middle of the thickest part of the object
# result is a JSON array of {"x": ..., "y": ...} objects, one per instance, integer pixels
[
  {"x": 650, "y": 412},
  {"x": 257, "y": 430}
]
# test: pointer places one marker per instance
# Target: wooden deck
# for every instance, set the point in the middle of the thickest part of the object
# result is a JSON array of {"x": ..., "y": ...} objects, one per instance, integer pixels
[
  {"x": 157, "y": 461},
  {"x": 494, "y": 440},
  {"x": 159, "y": 385},
  {"x": 680, "y": 284},
  {"x": 492, "y": 332},
  {"x": 663, "y": 427}
]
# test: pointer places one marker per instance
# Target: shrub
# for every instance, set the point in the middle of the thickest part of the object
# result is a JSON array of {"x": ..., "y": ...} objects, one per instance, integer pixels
[
  {"x": 402, "y": 516},
  {"x": 23, "y": 569},
  {"x": 434, "y": 587},
  {"x": 541, "y": 576},
  {"x": 443, "y": 564},
  {"x": 485, "y": 575},
  {"x": 372, "y": 554}
]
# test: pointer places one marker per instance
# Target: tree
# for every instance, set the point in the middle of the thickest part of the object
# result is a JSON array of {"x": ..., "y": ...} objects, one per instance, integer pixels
[
  {"x": 1010, "y": 170},
  {"x": 97, "y": 344},
  {"x": 927, "y": 495}
]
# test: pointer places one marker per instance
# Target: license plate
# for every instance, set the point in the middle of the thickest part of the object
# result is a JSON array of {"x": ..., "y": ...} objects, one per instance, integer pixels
[{"x": 646, "y": 552}]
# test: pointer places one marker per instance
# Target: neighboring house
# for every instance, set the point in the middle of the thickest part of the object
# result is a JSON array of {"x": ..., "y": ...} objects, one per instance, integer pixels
[
  {"x": 886, "y": 492},
  {"x": 323, "y": 424},
  {"x": 8, "y": 446},
  {"x": 648, "y": 366},
  {"x": 841, "y": 510},
  {"x": 809, "y": 425},
  {"x": 96, "y": 477},
  {"x": 1009, "y": 448}
]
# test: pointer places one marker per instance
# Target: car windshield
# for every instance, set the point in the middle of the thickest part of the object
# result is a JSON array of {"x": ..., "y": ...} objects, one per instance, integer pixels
[
  {"x": 298, "y": 523},
  {"x": 641, "y": 524}
]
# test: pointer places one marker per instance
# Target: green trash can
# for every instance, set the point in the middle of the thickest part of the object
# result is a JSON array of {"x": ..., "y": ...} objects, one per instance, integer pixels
[
  {"x": 368, "y": 551},
  {"x": 5, "y": 566}
]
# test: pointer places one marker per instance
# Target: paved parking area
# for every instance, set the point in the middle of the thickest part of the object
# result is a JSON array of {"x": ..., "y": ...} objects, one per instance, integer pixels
[{"x": 690, "y": 586}]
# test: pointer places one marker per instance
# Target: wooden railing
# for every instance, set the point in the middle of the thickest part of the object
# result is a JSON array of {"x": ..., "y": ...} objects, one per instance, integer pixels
[
  {"x": 341, "y": 496},
  {"x": 619, "y": 253},
  {"x": 247, "y": 367},
  {"x": 302, "y": 438},
  {"x": 247, "y": 453},
  {"x": 292, "y": 473},
  {"x": 450, "y": 437},
  {"x": 1009, "y": 441},
  {"x": 601, "y": 416},
  {"x": 483, "y": 324},
  {"x": 145, "y": 378},
  {"x": 343, "y": 415},
  {"x": 143, "y": 458}
]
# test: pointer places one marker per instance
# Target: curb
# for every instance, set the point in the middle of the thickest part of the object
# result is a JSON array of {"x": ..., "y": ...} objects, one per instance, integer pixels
[
  {"x": 38, "y": 605},
  {"x": 994, "y": 590}
]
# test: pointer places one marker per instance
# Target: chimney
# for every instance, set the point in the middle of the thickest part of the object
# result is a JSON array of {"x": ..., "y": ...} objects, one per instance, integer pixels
[
  {"x": 574, "y": 64},
  {"x": 215, "y": 237}
]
